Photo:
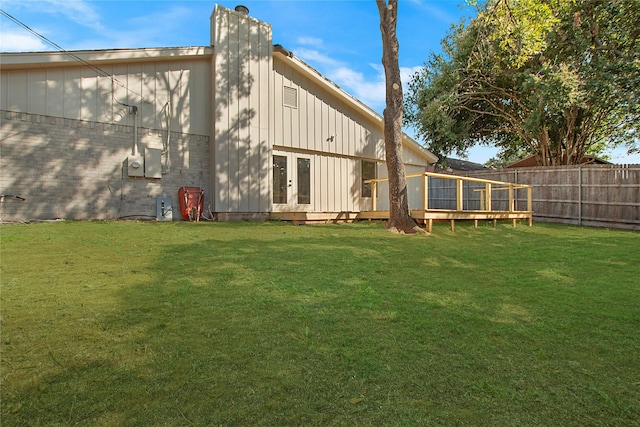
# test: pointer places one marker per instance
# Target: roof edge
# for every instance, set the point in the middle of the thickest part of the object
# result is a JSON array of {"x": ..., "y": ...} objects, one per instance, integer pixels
[{"x": 24, "y": 60}]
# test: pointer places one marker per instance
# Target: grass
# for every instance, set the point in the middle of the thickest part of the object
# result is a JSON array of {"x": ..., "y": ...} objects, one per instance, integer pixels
[{"x": 176, "y": 324}]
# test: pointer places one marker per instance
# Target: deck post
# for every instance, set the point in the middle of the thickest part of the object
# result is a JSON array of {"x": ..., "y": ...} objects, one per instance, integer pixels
[
  {"x": 512, "y": 201},
  {"x": 374, "y": 194},
  {"x": 453, "y": 225},
  {"x": 429, "y": 224},
  {"x": 487, "y": 198},
  {"x": 425, "y": 192},
  {"x": 459, "y": 195}
]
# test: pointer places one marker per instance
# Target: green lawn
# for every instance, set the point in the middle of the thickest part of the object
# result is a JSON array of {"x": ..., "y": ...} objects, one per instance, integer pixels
[{"x": 247, "y": 324}]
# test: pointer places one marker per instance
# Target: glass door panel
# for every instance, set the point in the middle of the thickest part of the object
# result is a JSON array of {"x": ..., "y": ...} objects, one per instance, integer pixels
[
  {"x": 280, "y": 181},
  {"x": 304, "y": 181}
]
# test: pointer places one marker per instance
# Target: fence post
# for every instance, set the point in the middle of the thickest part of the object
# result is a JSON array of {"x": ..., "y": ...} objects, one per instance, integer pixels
[
  {"x": 530, "y": 204},
  {"x": 579, "y": 195}
]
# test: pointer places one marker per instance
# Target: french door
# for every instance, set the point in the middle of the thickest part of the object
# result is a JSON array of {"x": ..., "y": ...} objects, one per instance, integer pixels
[{"x": 291, "y": 182}]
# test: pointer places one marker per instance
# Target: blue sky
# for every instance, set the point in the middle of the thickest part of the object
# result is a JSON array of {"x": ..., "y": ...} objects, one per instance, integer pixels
[{"x": 341, "y": 39}]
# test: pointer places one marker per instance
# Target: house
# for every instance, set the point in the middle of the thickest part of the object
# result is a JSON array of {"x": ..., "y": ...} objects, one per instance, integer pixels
[{"x": 103, "y": 134}]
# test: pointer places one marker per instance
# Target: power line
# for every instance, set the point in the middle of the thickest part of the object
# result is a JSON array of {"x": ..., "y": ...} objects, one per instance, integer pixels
[{"x": 95, "y": 68}]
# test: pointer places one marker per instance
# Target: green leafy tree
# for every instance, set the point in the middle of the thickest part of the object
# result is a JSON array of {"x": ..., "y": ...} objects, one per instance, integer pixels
[{"x": 554, "y": 78}]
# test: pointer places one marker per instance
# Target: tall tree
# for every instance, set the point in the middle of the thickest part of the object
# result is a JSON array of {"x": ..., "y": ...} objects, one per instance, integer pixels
[
  {"x": 400, "y": 220},
  {"x": 557, "y": 78}
]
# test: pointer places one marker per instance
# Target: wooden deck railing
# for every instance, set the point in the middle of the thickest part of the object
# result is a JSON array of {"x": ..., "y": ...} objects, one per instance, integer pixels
[{"x": 427, "y": 212}]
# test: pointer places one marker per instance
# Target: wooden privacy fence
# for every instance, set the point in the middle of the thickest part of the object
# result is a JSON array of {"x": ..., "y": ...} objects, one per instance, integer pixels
[
  {"x": 592, "y": 195},
  {"x": 434, "y": 196}
]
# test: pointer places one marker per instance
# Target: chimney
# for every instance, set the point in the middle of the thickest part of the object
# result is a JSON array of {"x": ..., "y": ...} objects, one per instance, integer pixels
[{"x": 242, "y": 9}]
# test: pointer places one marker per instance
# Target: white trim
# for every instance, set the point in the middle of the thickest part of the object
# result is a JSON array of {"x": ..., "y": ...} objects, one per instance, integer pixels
[{"x": 24, "y": 60}]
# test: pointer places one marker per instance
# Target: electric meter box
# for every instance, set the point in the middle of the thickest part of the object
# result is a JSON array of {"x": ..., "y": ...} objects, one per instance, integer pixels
[
  {"x": 152, "y": 163},
  {"x": 135, "y": 166}
]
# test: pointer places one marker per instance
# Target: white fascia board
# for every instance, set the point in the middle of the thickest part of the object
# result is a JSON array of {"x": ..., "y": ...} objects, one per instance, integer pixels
[
  {"x": 24, "y": 60},
  {"x": 336, "y": 90}
]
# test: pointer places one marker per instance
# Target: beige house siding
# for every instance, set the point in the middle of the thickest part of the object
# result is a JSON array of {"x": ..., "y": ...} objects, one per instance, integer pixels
[
  {"x": 335, "y": 183},
  {"x": 166, "y": 90},
  {"x": 241, "y": 116},
  {"x": 320, "y": 122}
]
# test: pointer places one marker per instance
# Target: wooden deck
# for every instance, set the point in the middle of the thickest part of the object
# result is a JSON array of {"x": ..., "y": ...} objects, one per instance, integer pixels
[
  {"x": 424, "y": 218},
  {"x": 484, "y": 191}
]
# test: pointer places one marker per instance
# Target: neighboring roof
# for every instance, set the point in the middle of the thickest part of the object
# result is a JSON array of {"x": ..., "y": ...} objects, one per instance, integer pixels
[
  {"x": 464, "y": 165},
  {"x": 531, "y": 161}
]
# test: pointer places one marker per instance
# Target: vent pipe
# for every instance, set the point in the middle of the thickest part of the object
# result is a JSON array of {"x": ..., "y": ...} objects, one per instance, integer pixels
[{"x": 244, "y": 10}]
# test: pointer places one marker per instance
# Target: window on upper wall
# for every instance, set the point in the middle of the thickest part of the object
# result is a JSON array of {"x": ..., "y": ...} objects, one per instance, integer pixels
[
  {"x": 368, "y": 172},
  {"x": 290, "y": 96}
]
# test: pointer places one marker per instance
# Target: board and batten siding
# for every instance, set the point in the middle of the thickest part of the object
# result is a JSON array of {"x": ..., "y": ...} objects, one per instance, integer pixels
[
  {"x": 241, "y": 138},
  {"x": 172, "y": 93},
  {"x": 335, "y": 136},
  {"x": 319, "y": 122}
]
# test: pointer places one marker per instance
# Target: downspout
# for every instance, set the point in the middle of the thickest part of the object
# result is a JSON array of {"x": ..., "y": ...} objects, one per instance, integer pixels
[{"x": 134, "y": 149}]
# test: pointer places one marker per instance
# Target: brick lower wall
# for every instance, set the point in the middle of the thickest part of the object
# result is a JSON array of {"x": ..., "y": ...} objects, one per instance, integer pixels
[{"x": 73, "y": 169}]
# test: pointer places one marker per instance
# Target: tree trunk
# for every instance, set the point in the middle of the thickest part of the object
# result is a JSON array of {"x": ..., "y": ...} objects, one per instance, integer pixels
[{"x": 400, "y": 220}]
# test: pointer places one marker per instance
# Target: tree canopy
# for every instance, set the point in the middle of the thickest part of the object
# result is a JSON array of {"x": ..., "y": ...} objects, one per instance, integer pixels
[{"x": 554, "y": 78}]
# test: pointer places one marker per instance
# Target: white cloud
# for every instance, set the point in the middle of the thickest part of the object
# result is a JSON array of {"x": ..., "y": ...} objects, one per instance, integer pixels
[
  {"x": 407, "y": 72},
  {"x": 434, "y": 11},
  {"x": 78, "y": 11},
  {"x": 15, "y": 42},
  {"x": 314, "y": 57},
  {"x": 368, "y": 88},
  {"x": 310, "y": 41},
  {"x": 81, "y": 12},
  {"x": 144, "y": 30}
]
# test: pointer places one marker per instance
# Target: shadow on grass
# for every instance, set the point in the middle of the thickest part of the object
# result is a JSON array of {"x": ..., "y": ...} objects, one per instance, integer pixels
[{"x": 333, "y": 325}]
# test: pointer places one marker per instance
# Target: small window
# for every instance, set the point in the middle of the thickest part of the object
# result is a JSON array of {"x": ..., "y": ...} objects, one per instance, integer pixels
[
  {"x": 368, "y": 172},
  {"x": 290, "y": 96}
]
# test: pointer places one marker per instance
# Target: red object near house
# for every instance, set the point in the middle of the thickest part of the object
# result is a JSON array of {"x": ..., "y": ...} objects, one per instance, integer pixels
[{"x": 191, "y": 203}]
